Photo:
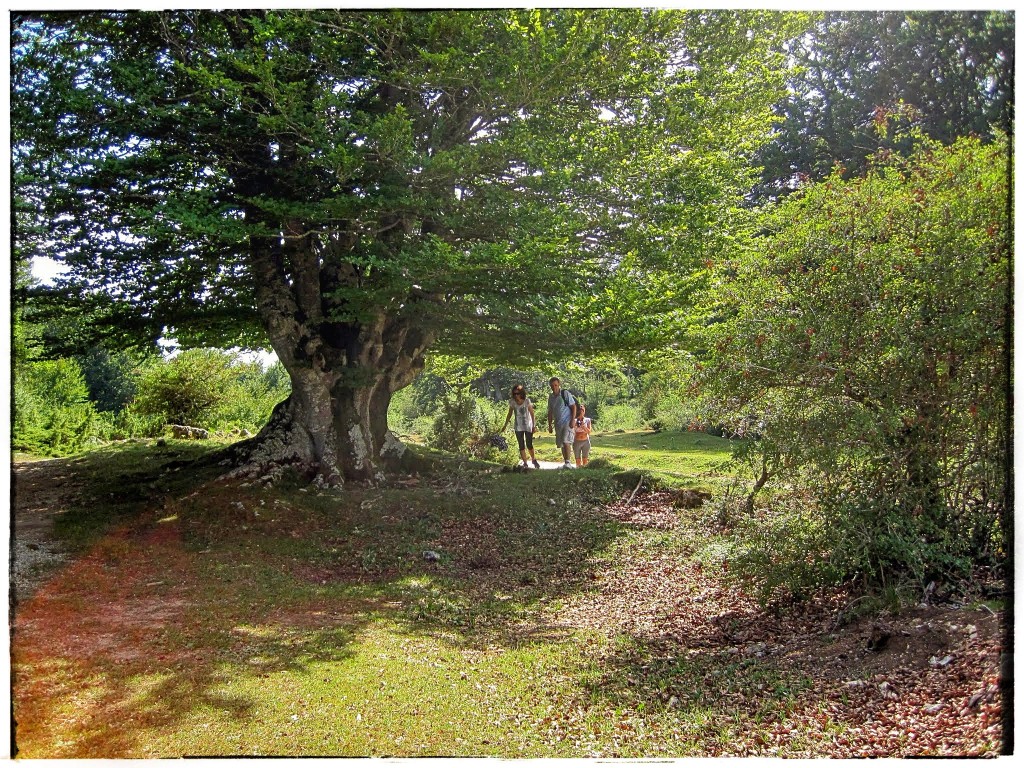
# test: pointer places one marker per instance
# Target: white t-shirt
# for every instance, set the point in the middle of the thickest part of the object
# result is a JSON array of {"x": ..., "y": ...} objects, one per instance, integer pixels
[{"x": 524, "y": 422}]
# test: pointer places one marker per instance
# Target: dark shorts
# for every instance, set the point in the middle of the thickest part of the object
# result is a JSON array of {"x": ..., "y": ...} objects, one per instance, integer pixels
[{"x": 525, "y": 440}]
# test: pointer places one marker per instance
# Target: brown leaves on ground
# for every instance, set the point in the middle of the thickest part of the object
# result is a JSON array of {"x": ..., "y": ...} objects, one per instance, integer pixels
[{"x": 797, "y": 682}]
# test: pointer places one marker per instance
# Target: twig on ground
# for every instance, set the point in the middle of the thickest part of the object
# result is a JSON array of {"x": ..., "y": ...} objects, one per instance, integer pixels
[{"x": 630, "y": 499}]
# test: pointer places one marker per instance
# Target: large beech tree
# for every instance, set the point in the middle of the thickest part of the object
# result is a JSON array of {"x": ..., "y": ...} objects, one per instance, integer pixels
[{"x": 353, "y": 188}]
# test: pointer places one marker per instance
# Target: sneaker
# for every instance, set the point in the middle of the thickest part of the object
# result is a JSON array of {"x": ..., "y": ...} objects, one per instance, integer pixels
[
  {"x": 536, "y": 464},
  {"x": 567, "y": 465}
]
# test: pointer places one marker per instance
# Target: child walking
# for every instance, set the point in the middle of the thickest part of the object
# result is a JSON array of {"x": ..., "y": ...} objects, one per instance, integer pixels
[
  {"x": 581, "y": 441},
  {"x": 521, "y": 407}
]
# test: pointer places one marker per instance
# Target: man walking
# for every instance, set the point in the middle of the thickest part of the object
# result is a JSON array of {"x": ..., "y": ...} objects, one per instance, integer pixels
[{"x": 562, "y": 413}]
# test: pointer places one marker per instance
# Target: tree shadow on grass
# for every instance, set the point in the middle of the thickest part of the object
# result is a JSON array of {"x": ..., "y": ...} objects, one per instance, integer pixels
[
  {"x": 186, "y": 588},
  {"x": 134, "y": 638}
]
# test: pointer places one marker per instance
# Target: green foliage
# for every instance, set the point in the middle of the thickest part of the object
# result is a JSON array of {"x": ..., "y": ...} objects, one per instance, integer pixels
[
  {"x": 209, "y": 388},
  {"x": 250, "y": 396},
  {"x": 112, "y": 378},
  {"x": 403, "y": 411},
  {"x": 465, "y": 422},
  {"x": 622, "y": 416},
  {"x": 456, "y": 425},
  {"x": 787, "y": 552},
  {"x": 23, "y": 343},
  {"x": 487, "y": 175},
  {"x": 603, "y": 384},
  {"x": 52, "y": 413},
  {"x": 950, "y": 74},
  {"x": 188, "y": 389},
  {"x": 414, "y": 409},
  {"x": 666, "y": 399},
  {"x": 426, "y": 390},
  {"x": 496, "y": 383},
  {"x": 864, "y": 338},
  {"x": 128, "y": 423}
]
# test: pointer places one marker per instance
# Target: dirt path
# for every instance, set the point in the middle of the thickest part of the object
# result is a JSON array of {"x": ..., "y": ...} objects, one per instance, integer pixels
[
  {"x": 43, "y": 490},
  {"x": 550, "y": 465}
]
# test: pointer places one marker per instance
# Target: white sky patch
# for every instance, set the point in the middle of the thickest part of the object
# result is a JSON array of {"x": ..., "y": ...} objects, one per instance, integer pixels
[
  {"x": 264, "y": 357},
  {"x": 170, "y": 349},
  {"x": 46, "y": 270}
]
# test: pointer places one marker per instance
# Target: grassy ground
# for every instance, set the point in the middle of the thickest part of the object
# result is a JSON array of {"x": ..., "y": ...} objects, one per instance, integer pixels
[
  {"x": 469, "y": 612},
  {"x": 677, "y": 458},
  {"x": 690, "y": 457}
]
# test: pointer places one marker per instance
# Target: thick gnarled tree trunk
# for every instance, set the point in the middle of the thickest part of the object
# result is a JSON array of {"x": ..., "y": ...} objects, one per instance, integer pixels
[{"x": 333, "y": 427}]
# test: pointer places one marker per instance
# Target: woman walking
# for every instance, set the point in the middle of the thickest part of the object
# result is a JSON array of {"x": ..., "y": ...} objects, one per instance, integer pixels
[{"x": 521, "y": 407}]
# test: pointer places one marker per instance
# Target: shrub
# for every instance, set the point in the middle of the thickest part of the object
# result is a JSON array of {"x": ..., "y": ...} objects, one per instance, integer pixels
[
  {"x": 465, "y": 423},
  {"x": 111, "y": 378},
  {"x": 52, "y": 414},
  {"x": 188, "y": 389},
  {"x": 672, "y": 412},
  {"x": 664, "y": 390},
  {"x": 868, "y": 330},
  {"x": 785, "y": 552},
  {"x": 622, "y": 416},
  {"x": 127, "y": 424},
  {"x": 454, "y": 426},
  {"x": 422, "y": 427},
  {"x": 251, "y": 394},
  {"x": 403, "y": 411}
]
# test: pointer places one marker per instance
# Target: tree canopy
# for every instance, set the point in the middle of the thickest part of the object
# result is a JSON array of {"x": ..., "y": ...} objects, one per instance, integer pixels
[
  {"x": 474, "y": 169},
  {"x": 949, "y": 74},
  {"x": 355, "y": 187}
]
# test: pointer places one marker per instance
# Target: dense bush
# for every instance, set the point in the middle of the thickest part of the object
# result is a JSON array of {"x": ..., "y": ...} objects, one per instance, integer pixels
[
  {"x": 127, "y": 424},
  {"x": 58, "y": 409},
  {"x": 464, "y": 424},
  {"x": 666, "y": 401},
  {"x": 205, "y": 388},
  {"x": 251, "y": 395},
  {"x": 52, "y": 412},
  {"x": 786, "y": 552},
  {"x": 403, "y": 411},
  {"x": 188, "y": 389},
  {"x": 865, "y": 335},
  {"x": 212, "y": 389},
  {"x": 622, "y": 416},
  {"x": 415, "y": 408},
  {"x": 112, "y": 378}
]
